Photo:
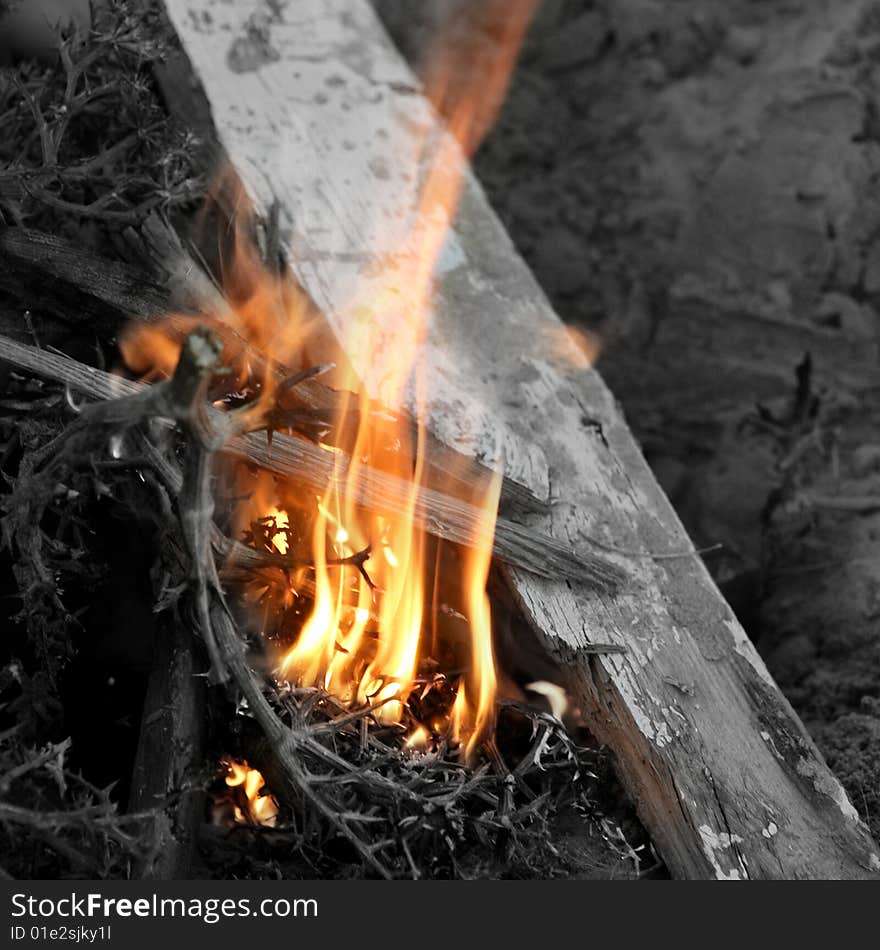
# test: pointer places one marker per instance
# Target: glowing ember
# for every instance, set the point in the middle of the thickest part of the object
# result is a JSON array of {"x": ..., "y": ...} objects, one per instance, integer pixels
[
  {"x": 418, "y": 738},
  {"x": 253, "y": 808},
  {"x": 282, "y": 522}
]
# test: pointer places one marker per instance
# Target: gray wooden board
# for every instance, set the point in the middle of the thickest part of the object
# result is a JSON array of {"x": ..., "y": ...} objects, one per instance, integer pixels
[{"x": 322, "y": 113}]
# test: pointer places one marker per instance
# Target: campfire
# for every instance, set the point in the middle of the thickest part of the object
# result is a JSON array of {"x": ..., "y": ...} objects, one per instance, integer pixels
[
  {"x": 373, "y": 610},
  {"x": 369, "y": 605},
  {"x": 368, "y": 617},
  {"x": 373, "y": 691},
  {"x": 329, "y": 553}
]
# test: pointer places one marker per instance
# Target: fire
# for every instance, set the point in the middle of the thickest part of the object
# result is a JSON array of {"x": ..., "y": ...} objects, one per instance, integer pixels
[
  {"x": 367, "y": 632},
  {"x": 330, "y": 651},
  {"x": 281, "y": 522},
  {"x": 255, "y": 808},
  {"x": 479, "y": 689}
]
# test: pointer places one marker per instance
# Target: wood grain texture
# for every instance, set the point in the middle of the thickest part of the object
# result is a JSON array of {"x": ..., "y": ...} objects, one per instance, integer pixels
[
  {"x": 123, "y": 289},
  {"x": 325, "y": 117}
]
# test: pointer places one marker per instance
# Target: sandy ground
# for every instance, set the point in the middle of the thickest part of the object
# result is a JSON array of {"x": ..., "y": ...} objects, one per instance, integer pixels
[{"x": 698, "y": 183}]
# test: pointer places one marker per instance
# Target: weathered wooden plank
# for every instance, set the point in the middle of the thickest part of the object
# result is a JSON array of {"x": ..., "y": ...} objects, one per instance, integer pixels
[{"x": 317, "y": 109}]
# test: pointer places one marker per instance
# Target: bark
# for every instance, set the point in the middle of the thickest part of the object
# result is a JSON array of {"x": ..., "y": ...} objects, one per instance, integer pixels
[{"x": 170, "y": 756}]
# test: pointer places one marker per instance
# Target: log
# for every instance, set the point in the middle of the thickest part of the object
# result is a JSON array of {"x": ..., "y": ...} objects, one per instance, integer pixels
[
  {"x": 80, "y": 283},
  {"x": 170, "y": 756},
  {"x": 723, "y": 774},
  {"x": 439, "y": 514}
]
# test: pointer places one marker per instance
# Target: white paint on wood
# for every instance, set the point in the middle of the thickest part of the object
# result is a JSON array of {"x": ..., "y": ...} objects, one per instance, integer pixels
[
  {"x": 826, "y": 784},
  {"x": 746, "y": 649},
  {"x": 714, "y": 844}
]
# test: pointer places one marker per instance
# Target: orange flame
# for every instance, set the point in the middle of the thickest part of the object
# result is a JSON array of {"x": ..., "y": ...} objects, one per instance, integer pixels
[
  {"x": 364, "y": 638},
  {"x": 260, "y": 809},
  {"x": 281, "y": 522},
  {"x": 329, "y": 650}
]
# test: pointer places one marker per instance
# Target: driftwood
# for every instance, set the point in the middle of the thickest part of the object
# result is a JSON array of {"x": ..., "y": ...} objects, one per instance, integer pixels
[
  {"x": 438, "y": 514},
  {"x": 723, "y": 773}
]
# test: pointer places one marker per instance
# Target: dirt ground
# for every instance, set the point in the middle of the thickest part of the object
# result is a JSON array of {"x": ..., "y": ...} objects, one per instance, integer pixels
[{"x": 698, "y": 184}]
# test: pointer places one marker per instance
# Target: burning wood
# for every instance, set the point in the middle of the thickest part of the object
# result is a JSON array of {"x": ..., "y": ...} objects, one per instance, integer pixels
[
  {"x": 430, "y": 712},
  {"x": 443, "y": 515},
  {"x": 364, "y": 637},
  {"x": 686, "y": 756},
  {"x": 370, "y": 627}
]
